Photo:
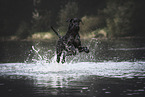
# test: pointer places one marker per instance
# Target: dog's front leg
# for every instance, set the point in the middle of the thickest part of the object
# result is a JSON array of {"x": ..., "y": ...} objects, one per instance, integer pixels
[
  {"x": 86, "y": 50},
  {"x": 83, "y": 49}
]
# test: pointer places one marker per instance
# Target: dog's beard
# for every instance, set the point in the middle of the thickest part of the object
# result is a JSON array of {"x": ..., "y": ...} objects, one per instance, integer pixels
[{"x": 76, "y": 28}]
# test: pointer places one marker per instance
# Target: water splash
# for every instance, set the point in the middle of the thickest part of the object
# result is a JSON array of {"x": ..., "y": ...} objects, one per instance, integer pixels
[
  {"x": 38, "y": 54},
  {"x": 41, "y": 66},
  {"x": 41, "y": 55},
  {"x": 104, "y": 69}
]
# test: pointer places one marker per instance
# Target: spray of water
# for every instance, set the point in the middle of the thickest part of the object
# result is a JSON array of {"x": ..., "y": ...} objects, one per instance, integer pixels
[
  {"x": 41, "y": 66},
  {"x": 38, "y": 55}
]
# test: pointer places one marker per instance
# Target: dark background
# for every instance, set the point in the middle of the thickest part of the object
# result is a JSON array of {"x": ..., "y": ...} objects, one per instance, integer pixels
[{"x": 120, "y": 18}]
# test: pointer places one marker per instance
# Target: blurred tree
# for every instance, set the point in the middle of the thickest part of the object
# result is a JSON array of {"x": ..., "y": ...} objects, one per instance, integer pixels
[
  {"x": 123, "y": 17},
  {"x": 91, "y": 23},
  {"x": 119, "y": 17},
  {"x": 23, "y": 30},
  {"x": 41, "y": 18},
  {"x": 70, "y": 10},
  {"x": 41, "y": 22},
  {"x": 139, "y": 18}
]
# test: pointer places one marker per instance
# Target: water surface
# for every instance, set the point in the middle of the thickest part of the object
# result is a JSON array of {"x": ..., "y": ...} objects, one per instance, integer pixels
[{"x": 112, "y": 68}]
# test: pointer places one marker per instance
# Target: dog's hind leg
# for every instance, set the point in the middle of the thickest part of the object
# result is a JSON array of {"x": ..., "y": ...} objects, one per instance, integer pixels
[
  {"x": 63, "y": 59},
  {"x": 71, "y": 50},
  {"x": 58, "y": 58},
  {"x": 59, "y": 52},
  {"x": 68, "y": 53}
]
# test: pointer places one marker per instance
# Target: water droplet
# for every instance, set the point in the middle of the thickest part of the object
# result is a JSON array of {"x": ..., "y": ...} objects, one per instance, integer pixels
[
  {"x": 107, "y": 92},
  {"x": 85, "y": 88}
]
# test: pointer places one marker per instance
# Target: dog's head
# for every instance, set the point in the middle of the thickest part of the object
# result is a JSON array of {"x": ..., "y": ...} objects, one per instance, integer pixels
[{"x": 74, "y": 23}]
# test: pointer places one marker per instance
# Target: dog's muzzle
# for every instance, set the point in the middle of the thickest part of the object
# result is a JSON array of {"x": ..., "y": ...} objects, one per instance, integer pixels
[{"x": 76, "y": 27}]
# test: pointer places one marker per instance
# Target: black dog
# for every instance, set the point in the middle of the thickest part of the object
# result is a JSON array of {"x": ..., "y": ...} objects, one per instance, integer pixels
[{"x": 70, "y": 41}]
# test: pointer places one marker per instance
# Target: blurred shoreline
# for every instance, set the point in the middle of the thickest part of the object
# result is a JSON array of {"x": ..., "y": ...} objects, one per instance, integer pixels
[{"x": 48, "y": 36}]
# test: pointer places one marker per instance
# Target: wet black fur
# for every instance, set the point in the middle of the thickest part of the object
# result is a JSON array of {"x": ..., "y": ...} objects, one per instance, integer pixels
[{"x": 70, "y": 41}]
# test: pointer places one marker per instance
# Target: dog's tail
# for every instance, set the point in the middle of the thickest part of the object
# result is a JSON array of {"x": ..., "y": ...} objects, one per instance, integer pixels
[{"x": 56, "y": 32}]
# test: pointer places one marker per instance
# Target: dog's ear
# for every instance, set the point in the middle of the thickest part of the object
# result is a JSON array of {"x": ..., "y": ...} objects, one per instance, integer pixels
[
  {"x": 81, "y": 21},
  {"x": 69, "y": 20}
]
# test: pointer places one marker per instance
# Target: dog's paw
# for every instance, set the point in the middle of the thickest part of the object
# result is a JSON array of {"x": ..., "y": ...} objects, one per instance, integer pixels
[
  {"x": 84, "y": 49},
  {"x": 58, "y": 59},
  {"x": 63, "y": 61}
]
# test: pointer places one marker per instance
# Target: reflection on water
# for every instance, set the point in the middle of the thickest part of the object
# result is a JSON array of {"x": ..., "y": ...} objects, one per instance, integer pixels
[
  {"x": 112, "y": 68},
  {"x": 81, "y": 78}
]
